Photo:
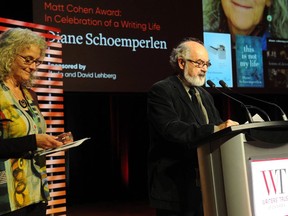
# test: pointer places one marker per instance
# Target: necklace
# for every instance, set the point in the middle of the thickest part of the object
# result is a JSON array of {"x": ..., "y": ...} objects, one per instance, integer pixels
[
  {"x": 21, "y": 99},
  {"x": 23, "y": 103}
]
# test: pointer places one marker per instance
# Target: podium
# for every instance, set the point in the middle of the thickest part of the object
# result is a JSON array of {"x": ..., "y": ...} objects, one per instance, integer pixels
[{"x": 244, "y": 170}]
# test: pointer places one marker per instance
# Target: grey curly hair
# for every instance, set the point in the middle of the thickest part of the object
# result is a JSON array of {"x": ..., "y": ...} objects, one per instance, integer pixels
[
  {"x": 12, "y": 42},
  {"x": 181, "y": 51},
  {"x": 213, "y": 13}
]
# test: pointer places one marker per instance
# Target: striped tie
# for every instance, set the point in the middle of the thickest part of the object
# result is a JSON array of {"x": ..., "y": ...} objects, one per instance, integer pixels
[{"x": 197, "y": 103}]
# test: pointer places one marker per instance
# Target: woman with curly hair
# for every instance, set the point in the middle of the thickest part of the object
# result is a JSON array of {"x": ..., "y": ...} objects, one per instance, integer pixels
[{"x": 23, "y": 179}]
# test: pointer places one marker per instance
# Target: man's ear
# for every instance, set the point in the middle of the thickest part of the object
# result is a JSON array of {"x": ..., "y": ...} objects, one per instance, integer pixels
[{"x": 181, "y": 63}]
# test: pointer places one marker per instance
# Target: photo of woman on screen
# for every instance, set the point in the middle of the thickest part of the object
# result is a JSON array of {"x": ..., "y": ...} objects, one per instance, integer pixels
[{"x": 263, "y": 18}]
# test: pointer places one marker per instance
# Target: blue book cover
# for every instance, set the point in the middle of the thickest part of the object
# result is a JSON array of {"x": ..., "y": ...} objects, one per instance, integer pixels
[
  {"x": 219, "y": 49},
  {"x": 249, "y": 62}
]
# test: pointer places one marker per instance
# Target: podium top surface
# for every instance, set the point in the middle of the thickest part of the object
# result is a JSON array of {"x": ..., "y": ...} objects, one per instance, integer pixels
[
  {"x": 269, "y": 131},
  {"x": 255, "y": 125}
]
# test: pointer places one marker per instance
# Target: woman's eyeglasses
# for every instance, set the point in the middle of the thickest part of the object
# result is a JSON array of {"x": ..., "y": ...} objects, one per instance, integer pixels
[{"x": 28, "y": 60}]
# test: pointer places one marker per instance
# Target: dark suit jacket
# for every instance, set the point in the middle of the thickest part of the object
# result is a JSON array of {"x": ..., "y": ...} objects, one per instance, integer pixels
[{"x": 174, "y": 127}]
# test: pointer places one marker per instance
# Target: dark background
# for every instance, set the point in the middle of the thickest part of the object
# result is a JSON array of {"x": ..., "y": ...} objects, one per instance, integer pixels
[
  {"x": 112, "y": 164},
  {"x": 136, "y": 70}
]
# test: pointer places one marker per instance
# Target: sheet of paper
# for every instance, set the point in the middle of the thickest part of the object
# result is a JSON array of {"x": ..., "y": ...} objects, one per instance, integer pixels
[
  {"x": 256, "y": 118},
  {"x": 61, "y": 148}
]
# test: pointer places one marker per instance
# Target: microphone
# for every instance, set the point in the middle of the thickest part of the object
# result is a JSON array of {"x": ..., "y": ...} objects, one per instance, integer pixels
[
  {"x": 284, "y": 117},
  {"x": 248, "y": 114}
]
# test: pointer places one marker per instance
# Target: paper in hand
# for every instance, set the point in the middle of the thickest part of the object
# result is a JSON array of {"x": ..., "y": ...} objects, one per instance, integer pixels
[{"x": 61, "y": 148}]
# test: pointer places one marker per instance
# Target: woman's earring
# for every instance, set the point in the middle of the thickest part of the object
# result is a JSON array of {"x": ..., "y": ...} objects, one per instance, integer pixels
[{"x": 269, "y": 20}]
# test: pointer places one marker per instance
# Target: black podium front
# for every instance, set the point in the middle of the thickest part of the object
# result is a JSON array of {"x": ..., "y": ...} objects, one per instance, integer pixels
[{"x": 227, "y": 160}]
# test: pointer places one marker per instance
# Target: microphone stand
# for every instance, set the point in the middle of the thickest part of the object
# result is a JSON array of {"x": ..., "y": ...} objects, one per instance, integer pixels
[
  {"x": 261, "y": 110},
  {"x": 248, "y": 114},
  {"x": 284, "y": 117}
]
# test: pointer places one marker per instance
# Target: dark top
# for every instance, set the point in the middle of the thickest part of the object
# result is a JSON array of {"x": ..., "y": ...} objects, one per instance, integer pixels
[
  {"x": 172, "y": 159},
  {"x": 17, "y": 147}
]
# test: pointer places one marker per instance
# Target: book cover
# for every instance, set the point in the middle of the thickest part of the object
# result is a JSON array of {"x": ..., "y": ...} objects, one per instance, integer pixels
[
  {"x": 249, "y": 62},
  {"x": 277, "y": 63},
  {"x": 219, "y": 49}
]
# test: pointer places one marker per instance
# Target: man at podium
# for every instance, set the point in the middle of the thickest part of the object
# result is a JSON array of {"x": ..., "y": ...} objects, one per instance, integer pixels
[{"x": 180, "y": 111}]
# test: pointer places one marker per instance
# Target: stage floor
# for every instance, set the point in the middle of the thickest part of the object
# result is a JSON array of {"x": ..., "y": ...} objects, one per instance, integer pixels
[{"x": 111, "y": 209}]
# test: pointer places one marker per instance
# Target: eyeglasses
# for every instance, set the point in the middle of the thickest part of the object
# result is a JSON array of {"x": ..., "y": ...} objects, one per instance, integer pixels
[
  {"x": 200, "y": 63},
  {"x": 28, "y": 60}
]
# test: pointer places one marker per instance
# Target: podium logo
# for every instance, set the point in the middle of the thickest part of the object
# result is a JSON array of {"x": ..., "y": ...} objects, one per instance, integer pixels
[{"x": 275, "y": 181}]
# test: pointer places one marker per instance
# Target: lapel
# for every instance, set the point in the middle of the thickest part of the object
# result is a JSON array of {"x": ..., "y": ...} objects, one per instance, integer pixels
[{"x": 183, "y": 95}]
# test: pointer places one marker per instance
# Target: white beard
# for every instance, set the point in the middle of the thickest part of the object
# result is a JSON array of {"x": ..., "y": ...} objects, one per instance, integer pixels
[{"x": 195, "y": 80}]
